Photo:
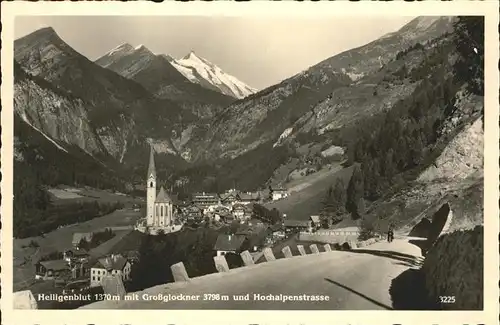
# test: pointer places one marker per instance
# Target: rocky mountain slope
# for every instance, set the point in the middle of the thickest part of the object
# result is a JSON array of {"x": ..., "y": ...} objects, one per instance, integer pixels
[
  {"x": 73, "y": 101},
  {"x": 329, "y": 92},
  {"x": 201, "y": 71},
  {"x": 161, "y": 78},
  {"x": 141, "y": 98},
  {"x": 54, "y": 113}
]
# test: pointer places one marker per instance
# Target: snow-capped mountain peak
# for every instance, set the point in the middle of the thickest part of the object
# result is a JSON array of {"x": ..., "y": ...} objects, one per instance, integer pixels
[
  {"x": 201, "y": 71},
  {"x": 125, "y": 47},
  {"x": 130, "y": 59}
]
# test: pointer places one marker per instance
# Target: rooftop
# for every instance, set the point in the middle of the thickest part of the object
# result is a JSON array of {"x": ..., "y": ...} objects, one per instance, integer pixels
[
  {"x": 113, "y": 262},
  {"x": 163, "y": 197},
  {"x": 315, "y": 219},
  {"x": 55, "y": 265},
  {"x": 296, "y": 223},
  {"x": 205, "y": 195}
]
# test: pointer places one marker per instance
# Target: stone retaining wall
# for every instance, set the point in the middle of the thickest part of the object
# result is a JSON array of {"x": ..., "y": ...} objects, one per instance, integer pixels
[{"x": 329, "y": 237}]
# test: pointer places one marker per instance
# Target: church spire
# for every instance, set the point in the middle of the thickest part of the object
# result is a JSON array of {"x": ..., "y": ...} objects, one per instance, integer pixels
[{"x": 152, "y": 169}]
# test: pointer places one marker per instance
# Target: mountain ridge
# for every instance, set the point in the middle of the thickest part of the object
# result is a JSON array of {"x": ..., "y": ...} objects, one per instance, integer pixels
[
  {"x": 321, "y": 103},
  {"x": 161, "y": 78},
  {"x": 295, "y": 97}
]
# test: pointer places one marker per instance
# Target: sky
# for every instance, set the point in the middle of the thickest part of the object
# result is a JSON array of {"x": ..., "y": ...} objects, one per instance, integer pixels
[{"x": 258, "y": 51}]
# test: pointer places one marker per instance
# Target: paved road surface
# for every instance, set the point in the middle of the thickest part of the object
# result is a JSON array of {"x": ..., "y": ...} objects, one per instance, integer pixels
[{"x": 352, "y": 281}]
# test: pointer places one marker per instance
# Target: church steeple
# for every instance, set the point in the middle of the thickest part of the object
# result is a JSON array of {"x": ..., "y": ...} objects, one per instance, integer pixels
[
  {"x": 151, "y": 190},
  {"x": 151, "y": 168}
]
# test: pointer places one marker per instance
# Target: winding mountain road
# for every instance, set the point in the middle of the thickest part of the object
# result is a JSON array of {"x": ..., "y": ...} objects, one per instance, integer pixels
[{"x": 352, "y": 280}]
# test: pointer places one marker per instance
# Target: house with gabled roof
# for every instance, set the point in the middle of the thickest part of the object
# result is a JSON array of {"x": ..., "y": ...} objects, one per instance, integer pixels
[
  {"x": 229, "y": 243},
  {"x": 48, "y": 270},
  {"x": 297, "y": 225},
  {"x": 76, "y": 255},
  {"x": 229, "y": 198},
  {"x": 278, "y": 193},
  {"x": 205, "y": 200},
  {"x": 238, "y": 211},
  {"x": 315, "y": 221},
  {"x": 110, "y": 265}
]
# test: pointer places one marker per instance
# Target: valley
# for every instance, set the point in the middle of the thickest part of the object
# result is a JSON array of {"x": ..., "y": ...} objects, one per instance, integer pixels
[{"x": 372, "y": 138}]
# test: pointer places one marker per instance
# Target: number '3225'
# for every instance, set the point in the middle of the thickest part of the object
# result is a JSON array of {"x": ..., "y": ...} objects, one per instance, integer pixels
[{"x": 447, "y": 299}]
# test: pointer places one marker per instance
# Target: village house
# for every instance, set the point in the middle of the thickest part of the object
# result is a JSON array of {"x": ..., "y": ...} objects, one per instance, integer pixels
[
  {"x": 248, "y": 197},
  {"x": 278, "y": 193},
  {"x": 238, "y": 211},
  {"x": 110, "y": 265},
  {"x": 76, "y": 255},
  {"x": 228, "y": 218},
  {"x": 292, "y": 225},
  {"x": 78, "y": 236},
  {"x": 256, "y": 235},
  {"x": 204, "y": 200},
  {"x": 48, "y": 270},
  {"x": 192, "y": 212},
  {"x": 277, "y": 231},
  {"x": 248, "y": 212},
  {"x": 220, "y": 213},
  {"x": 230, "y": 198},
  {"x": 230, "y": 244},
  {"x": 315, "y": 222}
]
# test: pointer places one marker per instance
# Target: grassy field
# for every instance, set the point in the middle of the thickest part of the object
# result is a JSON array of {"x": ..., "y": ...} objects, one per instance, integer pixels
[
  {"x": 307, "y": 193},
  {"x": 65, "y": 194}
]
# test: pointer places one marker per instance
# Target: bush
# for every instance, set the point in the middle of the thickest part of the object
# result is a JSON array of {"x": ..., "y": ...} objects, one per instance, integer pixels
[{"x": 367, "y": 230}]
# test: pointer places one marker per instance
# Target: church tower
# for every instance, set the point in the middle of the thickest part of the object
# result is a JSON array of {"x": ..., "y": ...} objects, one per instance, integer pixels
[{"x": 151, "y": 189}]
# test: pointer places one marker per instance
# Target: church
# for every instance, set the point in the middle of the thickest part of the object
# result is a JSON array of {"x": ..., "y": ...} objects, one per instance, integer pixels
[{"x": 159, "y": 210}]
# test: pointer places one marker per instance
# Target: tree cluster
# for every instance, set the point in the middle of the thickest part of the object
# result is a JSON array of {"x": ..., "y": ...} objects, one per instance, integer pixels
[
  {"x": 30, "y": 221},
  {"x": 269, "y": 216},
  {"x": 334, "y": 204},
  {"x": 469, "y": 42},
  {"x": 52, "y": 256},
  {"x": 195, "y": 248},
  {"x": 402, "y": 138},
  {"x": 406, "y": 137},
  {"x": 97, "y": 239}
]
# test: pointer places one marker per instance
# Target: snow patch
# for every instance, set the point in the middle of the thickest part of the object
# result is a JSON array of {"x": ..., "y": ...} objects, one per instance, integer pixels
[
  {"x": 353, "y": 75},
  {"x": 124, "y": 150},
  {"x": 283, "y": 136},
  {"x": 119, "y": 48},
  {"x": 333, "y": 150}
]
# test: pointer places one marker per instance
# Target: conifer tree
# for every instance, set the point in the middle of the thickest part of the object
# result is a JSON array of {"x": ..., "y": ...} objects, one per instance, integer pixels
[
  {"x": 469, "y": 42},
  {"x": 355, "y": 190}
]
